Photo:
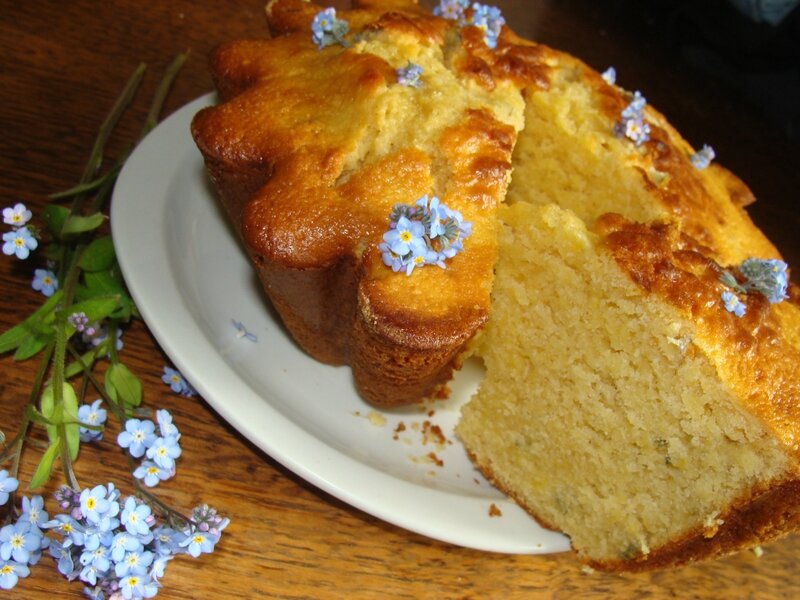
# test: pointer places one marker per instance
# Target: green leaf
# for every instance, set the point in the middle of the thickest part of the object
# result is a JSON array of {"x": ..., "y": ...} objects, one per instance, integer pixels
[
  {"x": 127, "y": 387},
  {"x": 47, "y": 404},
  {"x": 33, "y": 344},
  {"x": 54, "y": 217},
  {"x": 12, "y": 338},
  {"x": 80, "y": 224},
  {"x": 76, "y": 367},
  {"x": 45, "y": 467},
  {"x": 99, "y": 255},
  {"x": 102, "y": 282},
  {"x": 71, "y": 428}
]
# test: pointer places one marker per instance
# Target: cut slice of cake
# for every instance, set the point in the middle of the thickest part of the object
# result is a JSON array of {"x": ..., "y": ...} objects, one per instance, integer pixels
[{"x": 624, "y": 403}]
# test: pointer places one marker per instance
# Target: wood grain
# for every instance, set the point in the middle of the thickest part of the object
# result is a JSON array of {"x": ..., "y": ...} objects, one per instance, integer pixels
[{"x": 63, "y": 64}]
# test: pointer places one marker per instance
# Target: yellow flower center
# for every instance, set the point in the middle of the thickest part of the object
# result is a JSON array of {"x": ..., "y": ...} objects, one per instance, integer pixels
[
  {"x": 405, "y": 236},
  {"x": 6, "y": 570},
  {"x": 91, "y": 503},
  {"x": 16, "y": 541}
]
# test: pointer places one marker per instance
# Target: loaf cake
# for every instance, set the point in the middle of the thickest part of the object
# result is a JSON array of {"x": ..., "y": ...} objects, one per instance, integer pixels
[{"x": 380, "y": 164}]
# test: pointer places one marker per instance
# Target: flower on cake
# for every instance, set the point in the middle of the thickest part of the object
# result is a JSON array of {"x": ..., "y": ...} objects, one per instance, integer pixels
[
  {"x": 410, "y": 75},
  {"x": 632, "y": 124},
  {"x": 768, "y": 277},
  {"x": 327, "y": 30},
  {"x": 425, "y": 233},
  {"x": 703, "y": 157}
]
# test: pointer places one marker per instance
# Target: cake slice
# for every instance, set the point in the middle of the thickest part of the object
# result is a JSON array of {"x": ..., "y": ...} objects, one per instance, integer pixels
[{"x": 623, "y": 403}]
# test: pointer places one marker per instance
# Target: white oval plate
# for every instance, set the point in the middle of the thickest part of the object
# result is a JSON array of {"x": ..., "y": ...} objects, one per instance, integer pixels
[{"x": 191, "y": 280}]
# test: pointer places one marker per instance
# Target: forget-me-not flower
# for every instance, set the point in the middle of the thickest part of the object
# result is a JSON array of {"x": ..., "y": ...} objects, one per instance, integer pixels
[
  {"x": 19, "y": 242},
  {"x": 138, "y": 436},
  {"x": 8, "y": 484},
  {"x": 44, "y": 281}
]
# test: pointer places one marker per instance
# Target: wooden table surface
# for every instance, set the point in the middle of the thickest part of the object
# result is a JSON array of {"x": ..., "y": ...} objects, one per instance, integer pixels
[{"x": 63, "y": 64}]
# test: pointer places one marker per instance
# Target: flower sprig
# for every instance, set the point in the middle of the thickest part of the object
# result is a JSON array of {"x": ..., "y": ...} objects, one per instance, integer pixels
[
  {"x": 327, "y": 30},
  {"x": 768, "y": 277},
  {"x": 424, "y": 233},
  {"x": 118, "y": 547},
  {"x": 632, "y": 124},
  {"x": 702, "y": 158}
]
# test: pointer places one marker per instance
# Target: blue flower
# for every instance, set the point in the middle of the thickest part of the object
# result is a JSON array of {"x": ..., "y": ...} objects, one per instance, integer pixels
[
  {"x": 17, "y": 215},
  {"x": 158, "y": 566},
  {"x": 137, "y": 437},
  {"x": 18, "y": 541},
  {"x": 10, "y": 573},
  {"x": 426, "y": 233},
  {"x": 95, "y": 504},
  {"x": 406, "y": 237},
  {"x": 98, "y": 558},
  {"x": 44, "y": 281},
  {"x": 151, "y": 473},
  {"x": 69, "y": 528},
  {"x": 165, "y": 425},
  {"x": 137, "y": 586},
  {"x": 633, "y": 126},
  {"x": 703, "y": 157},
  {"x": 609, "y": 75},
  {"x": 410, "y": 75},
  {"x": 134, "y": 563},
  {"x": 63, "y": 556},
  {"x": 164, "y": 451},
  {"x": 33, "y": 512},
  {"x": 489, "y": 20},
  {"x": 177, "y": 382},
  {"x": 7, "y": 485},
  {"x": 199, "y": 542},
  {"x": 122, "y": 543},
  {"x": 327, "y": 30},
  {"x": 637, "y": 130},
  {"x": 451, "y": 9},
  {"x": 136, "y": 517},
  {"x": 19, "y": 242},
  {"x": 733, "y": 304},
  {"x": 766, "y": 276},
  {"x": 91, "y": 414}
]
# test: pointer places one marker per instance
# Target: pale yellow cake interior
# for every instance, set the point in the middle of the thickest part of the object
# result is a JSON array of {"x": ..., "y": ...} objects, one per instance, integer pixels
[{"x": 597, "y": 413}]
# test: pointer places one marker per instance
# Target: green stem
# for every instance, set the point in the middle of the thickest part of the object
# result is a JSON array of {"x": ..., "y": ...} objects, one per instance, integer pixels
[
  {"x": 96, "y": 155},
  {"x": 161, "y": 92}
]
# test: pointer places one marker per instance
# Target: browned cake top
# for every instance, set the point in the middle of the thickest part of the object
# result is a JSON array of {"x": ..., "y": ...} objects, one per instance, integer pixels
[
  {"x": 752, "y": 352},
  {"x": 343, "y": 143}
]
